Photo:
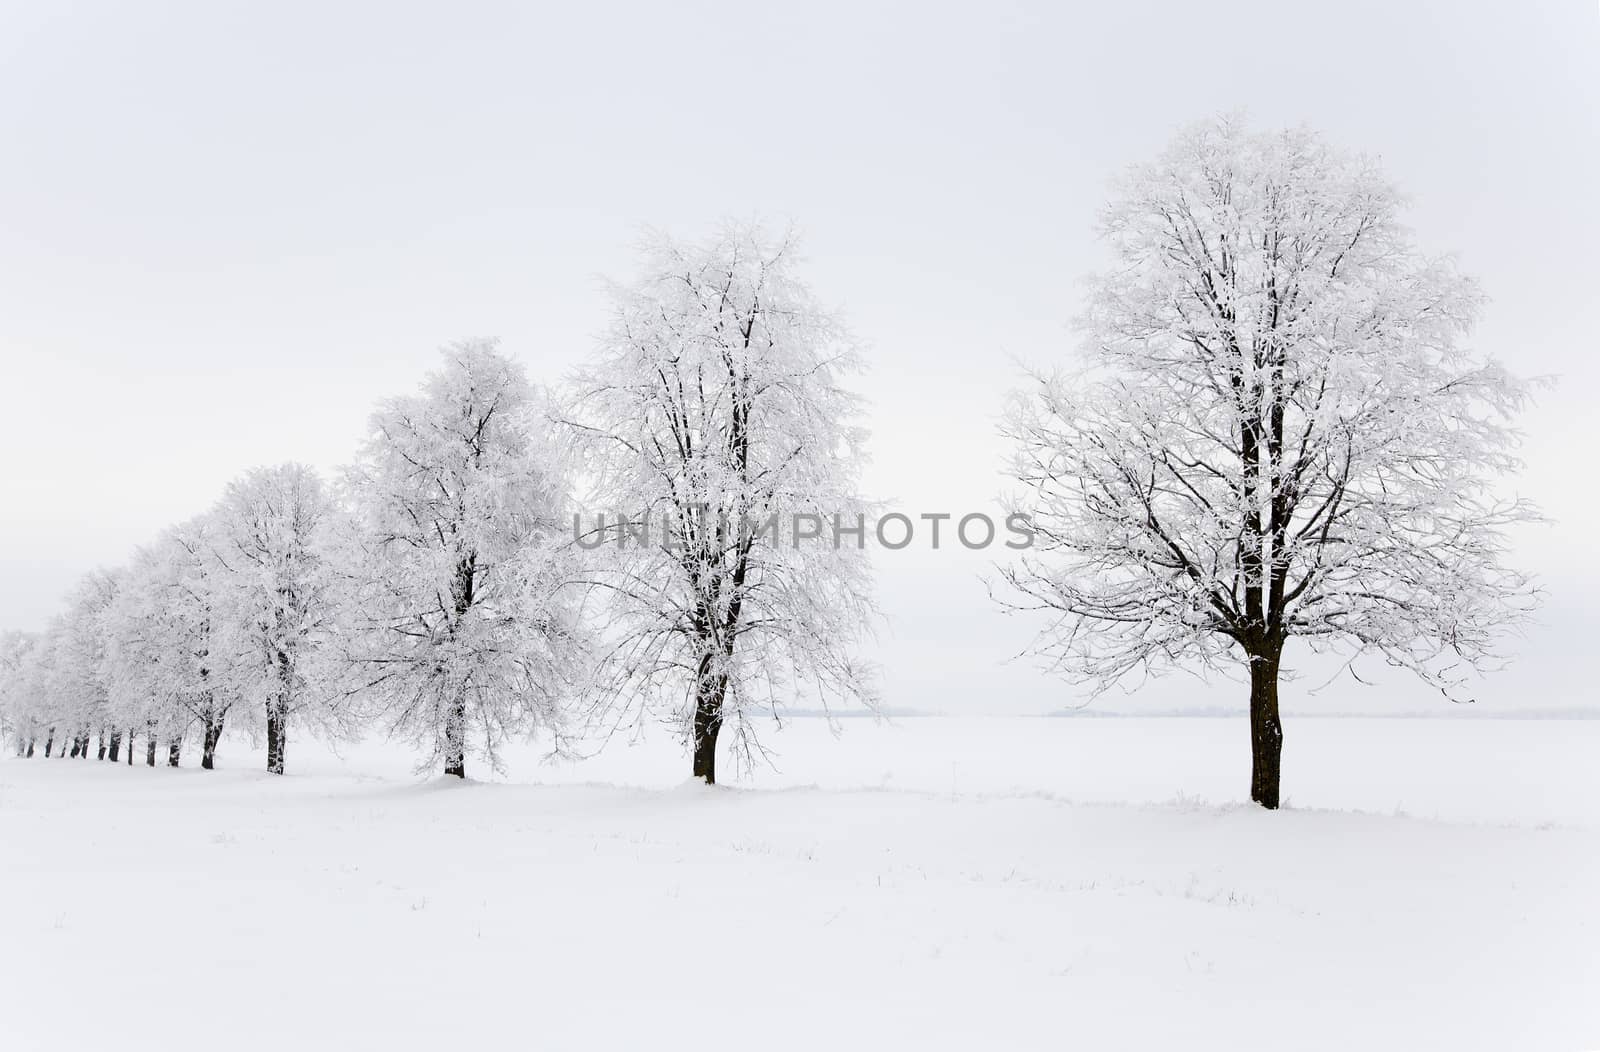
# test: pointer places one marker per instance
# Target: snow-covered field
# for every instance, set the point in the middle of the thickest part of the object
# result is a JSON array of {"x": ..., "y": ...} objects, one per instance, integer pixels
[{"x": 939, "y": 883}]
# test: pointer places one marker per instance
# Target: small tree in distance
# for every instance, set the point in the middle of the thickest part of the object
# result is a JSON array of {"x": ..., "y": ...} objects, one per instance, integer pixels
[
  {"x": 1276, "y": 434},
  {"x": 169, "y": 652}
]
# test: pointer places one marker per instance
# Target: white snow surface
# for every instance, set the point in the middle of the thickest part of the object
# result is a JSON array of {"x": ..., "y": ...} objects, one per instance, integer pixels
[{"x": 935, "y": 883}]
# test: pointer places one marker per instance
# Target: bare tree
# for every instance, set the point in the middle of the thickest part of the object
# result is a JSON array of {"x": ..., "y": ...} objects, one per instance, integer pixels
[
  {"x": 461, "y": 624},
  {"x": 1276, "y": 434},
  {"x": 713, "y": 421}
]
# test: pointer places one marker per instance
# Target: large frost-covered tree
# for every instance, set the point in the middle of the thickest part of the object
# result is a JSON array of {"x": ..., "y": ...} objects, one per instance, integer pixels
[
  {"x": 464, "y": 634},
  {"x": 714, "y": 420},
  {"x": 1277, "y": 434},
  {"x": 283, "y": 598}
]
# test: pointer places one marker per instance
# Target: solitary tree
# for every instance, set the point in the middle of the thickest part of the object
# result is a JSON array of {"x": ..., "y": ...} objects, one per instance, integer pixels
[
  {"x": 1276, "y": 434},
  {"x": 716, "y": 429},
  {"x": 462, "y": 633}
]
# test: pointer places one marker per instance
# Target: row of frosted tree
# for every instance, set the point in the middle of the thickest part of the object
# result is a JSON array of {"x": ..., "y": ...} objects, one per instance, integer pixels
[
  {"x": 443, "y": 587},
  {"x": 1276, "y": 434}
]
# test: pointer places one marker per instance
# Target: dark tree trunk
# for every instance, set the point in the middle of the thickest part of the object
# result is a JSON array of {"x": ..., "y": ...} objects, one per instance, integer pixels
[
  {"x": 455, "y": 723},
  {"x": 278, "y": 714},
  {"x": 49, "y": 742},
  {"x": 212, "y": 733},
  {"x": 1266, "y": 730},
  {"x": 130, "y": 746},
  {"x": 30, "y": 748},
  {"x": 174, "y": 749},
  {"x": 455, "y": 738},
  {"x": 150, "y": 748},
  {"x": 277, "y": 737},
  {"x": 83, "y": 747},
  {"x": 116, "y": 746},
  {"x": 102, "y": 755},
  {"x": 707, "y": 724}
]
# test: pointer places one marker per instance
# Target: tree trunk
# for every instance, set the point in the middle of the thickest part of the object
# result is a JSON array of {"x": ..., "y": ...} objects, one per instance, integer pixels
[
  {"x": 130, "y": 746},
  {"x": 49, "y": 742},
  {"x": 707, "y": 724},
  {"x": 174, "y": 747},
  {"x": 277, "y": 736},
  {"x": 455, "y": 724},
  {"x": 116, "y": 746},
  {"x": 150, "y": 748},
  {"x": 278, "y": 714},
  {"x": 212, "y": 733},
  {"x": 455, "y": 738},
  {"x": 30, "y": 748},
  {"x": 1266, "y": 730},
  {"x": 102, "y": 755}
]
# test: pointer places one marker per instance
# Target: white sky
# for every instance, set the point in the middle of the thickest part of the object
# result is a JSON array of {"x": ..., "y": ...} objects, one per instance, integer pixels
[{"x": 227, "y": 229}]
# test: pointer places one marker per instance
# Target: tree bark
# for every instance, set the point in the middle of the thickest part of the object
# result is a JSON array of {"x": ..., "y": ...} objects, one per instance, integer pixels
[
  {"x": 1266, "y": 730},
  {"x": 174, "y": 748},
  {"x": 102, "y": 745},
  {"x": 455, "y": 738},
  {"x": 455, "y": 724},
  {"x": 277, "y": 736},
  {"x": 116, "y": 746},
  {"x": 130, "y": 746},
  {"x": 278, "y": 714},
  {"x": 707, "y": 723},
  {"x": 49, "y": 742},
  {"x": 150, "y": 747},
  {"x": 30, "y": 748},
  {"x": 208, "y": 747}
]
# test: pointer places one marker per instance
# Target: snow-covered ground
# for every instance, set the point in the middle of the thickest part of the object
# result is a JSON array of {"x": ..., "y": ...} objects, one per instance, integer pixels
[{"x": 940, "y": 883}]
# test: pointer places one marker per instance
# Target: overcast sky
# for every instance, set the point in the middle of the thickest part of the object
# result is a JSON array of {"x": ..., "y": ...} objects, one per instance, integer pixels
[{"x": 227, "y": 229}]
